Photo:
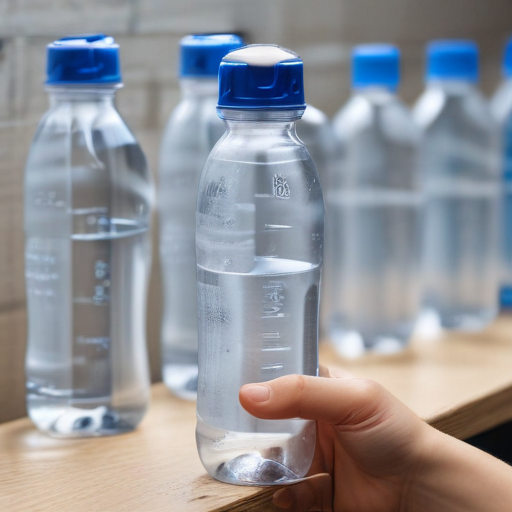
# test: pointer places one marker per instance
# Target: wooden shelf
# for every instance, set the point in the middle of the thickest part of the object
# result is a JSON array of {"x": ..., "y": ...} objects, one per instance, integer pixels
[{"x": 460, "y": 383}]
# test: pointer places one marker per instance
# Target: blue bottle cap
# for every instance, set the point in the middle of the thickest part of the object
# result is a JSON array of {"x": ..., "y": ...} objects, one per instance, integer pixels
[
  {"x": 261, "y": 77},
  {"x": 505, "y": 297},
  {"x": 452, "y": 60},
  {"x": 375, "y": 65},
  {"x": 507, "y": 59},
  {"x": 201, "y": 54},
  {"x": 83, "y": 59}
]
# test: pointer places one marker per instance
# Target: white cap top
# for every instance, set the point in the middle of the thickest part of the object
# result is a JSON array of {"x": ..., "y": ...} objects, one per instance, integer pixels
[{"x": 264, "y": 55}]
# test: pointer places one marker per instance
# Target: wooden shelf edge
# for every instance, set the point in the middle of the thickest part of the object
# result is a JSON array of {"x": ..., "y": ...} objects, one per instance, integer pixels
[
  {"x": 485, "y": 413},
  {"x": 258, "y": 502}
]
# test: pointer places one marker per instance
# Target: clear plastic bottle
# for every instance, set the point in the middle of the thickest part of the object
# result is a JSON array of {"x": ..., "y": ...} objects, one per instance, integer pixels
[
  {"x": 193, "y": 129},
  {"x": 260, "y": 220},
  {"x": 88, "y": 198},
  {"x": 461, "y": 183},
  {"x": 501, "y": 106},
  {"x": 315, "y": 130},
  {"x": 373, "y": 203}
]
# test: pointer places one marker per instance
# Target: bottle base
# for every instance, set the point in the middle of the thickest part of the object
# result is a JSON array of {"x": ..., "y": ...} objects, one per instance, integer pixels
[
  {"x": 81, "y": 419},
  {"x": 244, "y": 458},
  {"x": 466, "y": 321},
  {"x": 181, "y": 380},
  {"x": 354, "y": 344},
  {"x": 253, "y": 469},
  {"x": 461, "y": 318}
]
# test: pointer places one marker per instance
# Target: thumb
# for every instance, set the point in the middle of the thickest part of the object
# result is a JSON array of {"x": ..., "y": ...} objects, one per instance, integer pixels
[{"x": 339, "y": 402}]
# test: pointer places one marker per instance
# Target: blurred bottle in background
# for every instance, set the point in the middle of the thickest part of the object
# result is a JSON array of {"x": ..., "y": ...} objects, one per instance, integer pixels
[
  {"x": 501, "y": 106},
  {"x": 315, "y": 130},
  {"x": 88, "y": 198},
  {"x": 260, "y": 223},
  {"x": 373, "y": 206},
  {"x": 317, "y": 133},
  {"x": 459, "y": 169},
  {"x": 193, "y": 129}
]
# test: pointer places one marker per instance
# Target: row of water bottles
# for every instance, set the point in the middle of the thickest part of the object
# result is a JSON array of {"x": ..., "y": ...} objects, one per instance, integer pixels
[
  {"x": 259, "y": 220},
  {"x": 254, "y": 216},
  {"x": 413, "y": 203}
]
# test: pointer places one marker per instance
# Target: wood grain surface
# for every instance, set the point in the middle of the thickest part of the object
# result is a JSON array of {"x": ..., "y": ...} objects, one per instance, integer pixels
[{"x": 460, "y": 383}]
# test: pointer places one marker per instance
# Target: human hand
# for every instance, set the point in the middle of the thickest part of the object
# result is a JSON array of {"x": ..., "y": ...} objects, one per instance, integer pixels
[
  {"x": 369, "y": 444},
  {"x": 373, "y": 454}
]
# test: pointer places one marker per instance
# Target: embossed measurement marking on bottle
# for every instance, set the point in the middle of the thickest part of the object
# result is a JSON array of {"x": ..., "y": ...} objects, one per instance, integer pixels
[
  {"x": 101, "y": 290},
  {"x": 273, "y": 303},
  {"x": 276, "y": 226},
  {"x": 271, "y": 367},
  {"x": 271, "y": 343},
  {"x": 273, "y": 300},
  {"x": 48, "y": 198},
  {"x": 281, "y": 187},
  {"x": 41, "y": 269}
]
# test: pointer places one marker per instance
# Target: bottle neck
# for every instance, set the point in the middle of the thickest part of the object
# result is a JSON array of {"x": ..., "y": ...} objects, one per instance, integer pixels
[
  {"x": 375, "y": 91},
  {"x": 261, "y": 123},
  {"x": 452, "y": 86},
  {"x": 205, "y": 87},
  {"x": 101, "y": 94},
  {"x": 260, "y": 117}
]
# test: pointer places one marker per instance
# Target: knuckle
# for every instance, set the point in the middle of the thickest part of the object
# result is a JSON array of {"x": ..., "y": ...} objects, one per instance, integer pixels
[
  {"x": 368, "y": 388},
  {"x": 297, "y": 385},
  {"x": 300, "y": 383}
]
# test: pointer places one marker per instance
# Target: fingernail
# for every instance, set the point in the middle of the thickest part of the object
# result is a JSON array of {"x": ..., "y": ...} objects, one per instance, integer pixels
[
  {"x": 283, "y": 498},
  {"x": 257, "y": 392}
]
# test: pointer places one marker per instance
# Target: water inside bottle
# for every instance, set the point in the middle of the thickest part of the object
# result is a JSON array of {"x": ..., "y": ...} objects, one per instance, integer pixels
[
  {"x": 73, "y": 387},
  {"x": 237, "y": 349}
]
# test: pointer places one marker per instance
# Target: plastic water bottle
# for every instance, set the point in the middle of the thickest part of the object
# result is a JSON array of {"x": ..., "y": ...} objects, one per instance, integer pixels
[
  {"x": 373, "y": 204},
  {"x": 315, "y": 131},
  {"x": 88, "y": 198},
  {"x": 192, "y": 131},
  {"x": 260, "y": 221},
  {"x": 501, "y": 106},
  {"x": 461, "y": 183}
]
